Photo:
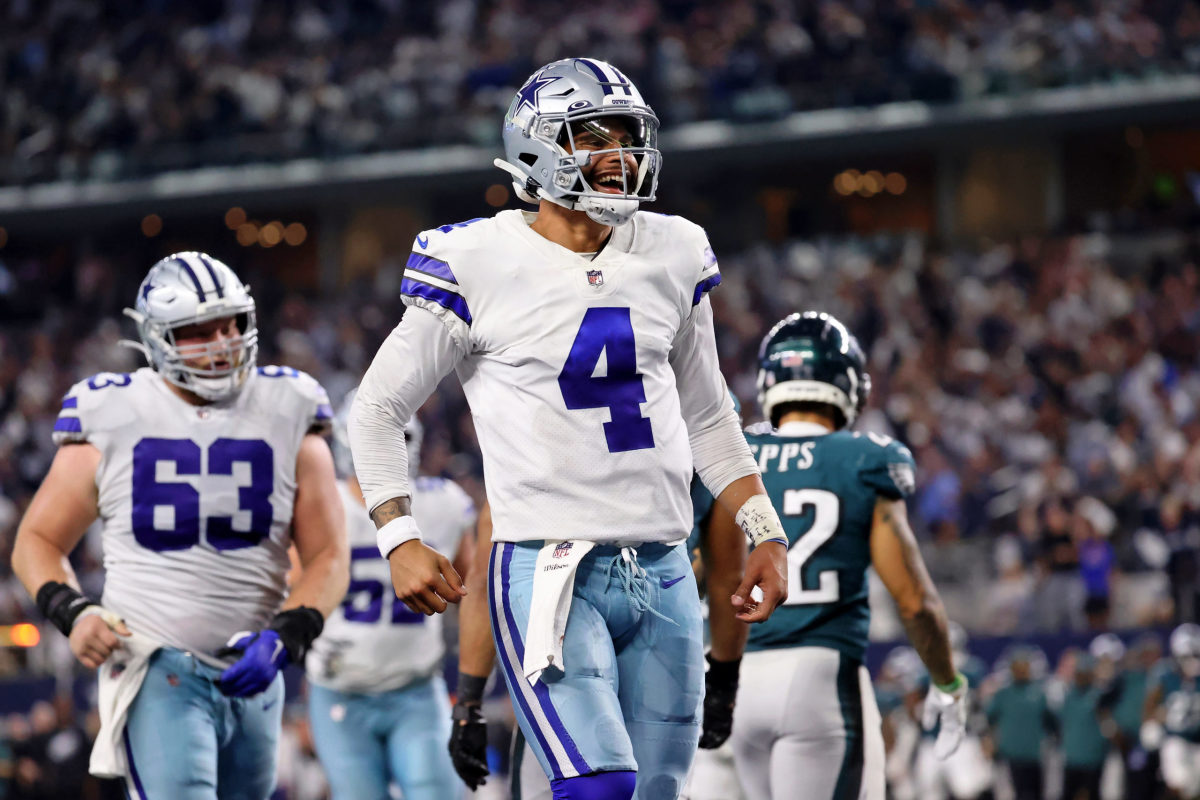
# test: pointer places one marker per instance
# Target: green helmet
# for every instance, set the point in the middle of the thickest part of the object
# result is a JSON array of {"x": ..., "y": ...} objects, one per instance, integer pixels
[{"x": 810, "y": 357}]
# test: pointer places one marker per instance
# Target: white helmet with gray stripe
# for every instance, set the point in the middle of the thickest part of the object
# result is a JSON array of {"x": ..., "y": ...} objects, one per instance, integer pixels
[
  {"x": 186, "y": 289},
  {"x": 560, "y": 100}
]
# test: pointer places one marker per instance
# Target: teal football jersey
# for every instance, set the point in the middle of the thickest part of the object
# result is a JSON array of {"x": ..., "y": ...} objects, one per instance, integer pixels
[{"x": 824, "y": 488}]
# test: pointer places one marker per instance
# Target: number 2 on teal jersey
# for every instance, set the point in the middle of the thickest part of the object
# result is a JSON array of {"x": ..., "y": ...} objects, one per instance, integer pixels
[
  {"x": 608, "y": 331},
  {"x": 826, "y": 507}
]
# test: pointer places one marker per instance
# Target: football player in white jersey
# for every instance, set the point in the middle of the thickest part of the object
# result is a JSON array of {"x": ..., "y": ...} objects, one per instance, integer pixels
[
  {"x": 583, "y": 338},
  {"x": 378, "y": 704},
  {"x": 204, "y": 471}
]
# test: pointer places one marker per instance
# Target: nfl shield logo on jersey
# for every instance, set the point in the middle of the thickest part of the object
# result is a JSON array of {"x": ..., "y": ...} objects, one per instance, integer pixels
[
  {"x": 561, "y": 549},
  {"x": 595, "y": 277}
]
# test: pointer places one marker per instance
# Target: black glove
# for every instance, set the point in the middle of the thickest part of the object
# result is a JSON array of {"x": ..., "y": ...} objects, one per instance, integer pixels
[
  {"x": 720, "y": 693},
  {"x": 468, "y": 732},
  {"x": 468, "y": 744}
]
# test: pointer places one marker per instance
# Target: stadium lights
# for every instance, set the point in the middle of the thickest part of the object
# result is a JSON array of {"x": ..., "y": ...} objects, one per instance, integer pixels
[
  {"x": 295, "y": 234},
  {"x": 23, "y": 634},
  {"x": 869, "y": 184},
  {"x": 496, "y": 195},
  {"x": 271, "y": 234},
  {"x": 235, "y": 218},
  {"x": 247, "y": 234},
  {"x": 152, "y": 225}
]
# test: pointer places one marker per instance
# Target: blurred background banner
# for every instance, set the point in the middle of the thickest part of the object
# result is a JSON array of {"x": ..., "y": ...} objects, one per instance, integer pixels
[{"x": 1001, "y": 199}]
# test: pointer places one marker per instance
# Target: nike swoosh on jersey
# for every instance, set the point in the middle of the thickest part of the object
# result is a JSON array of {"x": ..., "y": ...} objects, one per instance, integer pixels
[
  {"x": 667, "y": 584},
  {"x": 422, "y": 242}
]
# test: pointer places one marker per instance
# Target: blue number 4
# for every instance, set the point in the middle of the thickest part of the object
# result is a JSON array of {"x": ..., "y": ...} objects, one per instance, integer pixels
[
  {"x": 183, "y": 530},
  {"x": 608, "y": 331}
]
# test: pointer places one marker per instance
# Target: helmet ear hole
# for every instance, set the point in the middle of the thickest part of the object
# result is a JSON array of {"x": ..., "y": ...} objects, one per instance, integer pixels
[{"x": 529, "y": 159}]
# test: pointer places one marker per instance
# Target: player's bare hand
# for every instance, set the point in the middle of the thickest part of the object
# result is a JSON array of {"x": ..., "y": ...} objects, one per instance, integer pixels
[
  {"x": 423, "y": 578},
  {"x": 766, "y": 568},
  {"x": 93, "y": 639}
]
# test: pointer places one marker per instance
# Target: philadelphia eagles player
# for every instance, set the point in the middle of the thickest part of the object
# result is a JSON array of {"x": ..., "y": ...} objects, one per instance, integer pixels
[
  {"x": 378, "y": 705},
  {"x": 806, "y": 713},
  {"x": 204, "y": 471}
]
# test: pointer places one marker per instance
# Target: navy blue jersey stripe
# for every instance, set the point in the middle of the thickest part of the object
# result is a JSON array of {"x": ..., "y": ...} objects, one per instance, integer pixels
[
  {"x": 70, "y": 402},
  {"x": 195, "y": 281},
  {"x": 68, "y": 425},
  {"x": 430, "y": 266},
  {"x": 599, "y": 73},
  {"x": 704, "y": 286},
  {"x": 212, "y": 273},
  {"x": 443, "y": 297}
]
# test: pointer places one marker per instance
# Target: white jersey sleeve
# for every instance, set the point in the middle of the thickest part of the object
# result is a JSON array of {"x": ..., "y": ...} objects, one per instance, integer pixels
[
  {"x": 372, "y": 643},
  {"x": 410, "y": 363},
  {"x": 195, "y": 501}
]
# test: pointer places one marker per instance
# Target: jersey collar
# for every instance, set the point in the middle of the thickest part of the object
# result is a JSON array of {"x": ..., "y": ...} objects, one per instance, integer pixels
[{"x": 802, "y": 429}]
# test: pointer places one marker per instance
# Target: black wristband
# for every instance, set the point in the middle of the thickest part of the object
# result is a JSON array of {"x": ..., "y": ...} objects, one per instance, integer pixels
[
  {"x": 470, "y": 688},
  {"x": 723, "y": 673},
  {"x": 61, "y": 604},
  {"x": 297, "y": 628}
]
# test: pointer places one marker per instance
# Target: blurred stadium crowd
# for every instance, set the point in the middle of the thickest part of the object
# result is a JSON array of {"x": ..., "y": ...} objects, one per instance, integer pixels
[{"x": 106, "y": 90}]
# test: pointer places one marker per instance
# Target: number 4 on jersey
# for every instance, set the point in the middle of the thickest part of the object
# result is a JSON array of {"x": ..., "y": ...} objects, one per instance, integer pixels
[{"x": 608, "y": 332}]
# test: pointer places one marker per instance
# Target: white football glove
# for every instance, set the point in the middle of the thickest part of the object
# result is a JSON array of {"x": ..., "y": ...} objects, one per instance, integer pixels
[{"x": 950, "y": 708}]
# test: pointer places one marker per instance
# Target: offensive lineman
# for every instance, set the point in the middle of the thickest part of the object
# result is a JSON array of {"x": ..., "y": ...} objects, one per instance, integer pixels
[
  {"x": 805, "y": 710},
  {"x": 377, "y": 701},
  {"x": 203, "y": 470},
  {"x": 583, "y": 339}
]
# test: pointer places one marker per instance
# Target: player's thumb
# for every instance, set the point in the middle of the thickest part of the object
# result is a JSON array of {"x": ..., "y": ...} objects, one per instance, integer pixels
[
  {"x": 121, "y": 629},
  {"x": 741, "y": 595},
  {"x": 453, "y": 579}
]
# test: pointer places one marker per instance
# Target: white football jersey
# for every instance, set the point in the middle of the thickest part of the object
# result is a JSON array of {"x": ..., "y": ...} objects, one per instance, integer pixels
[
  {"x": 372, "y": 643},
  {"x": 567, "y": 370},
  {"x": 196, "y": 501}
]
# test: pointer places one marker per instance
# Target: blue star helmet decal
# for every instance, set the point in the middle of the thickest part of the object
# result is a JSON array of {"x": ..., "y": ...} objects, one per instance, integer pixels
[{"x": 528, "y": 93}]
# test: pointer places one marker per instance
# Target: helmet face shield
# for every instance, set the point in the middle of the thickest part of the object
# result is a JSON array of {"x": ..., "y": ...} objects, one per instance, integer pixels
[{"x": 631, "y": 140}]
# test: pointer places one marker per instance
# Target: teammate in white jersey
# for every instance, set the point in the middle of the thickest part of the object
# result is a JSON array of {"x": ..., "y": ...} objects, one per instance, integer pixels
[
  {"x": 378, "y": 704},
  {"x": 583, "y": 338},
  {"x": 204, "y": 471}
]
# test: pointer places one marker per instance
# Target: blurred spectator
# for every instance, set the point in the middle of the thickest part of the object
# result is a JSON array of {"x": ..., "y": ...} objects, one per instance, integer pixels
[
  {"x": 1128, "y": 698},
  {"x": 1061, "y": 590},
  {"x": 1091, "y": 523},
  {"x": 104, "y": 90}
]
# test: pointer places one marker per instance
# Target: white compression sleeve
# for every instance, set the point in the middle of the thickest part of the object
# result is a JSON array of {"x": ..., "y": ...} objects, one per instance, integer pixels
[
  {"x": 720, "y": 454},
  {"x": 405, "y": 371}
]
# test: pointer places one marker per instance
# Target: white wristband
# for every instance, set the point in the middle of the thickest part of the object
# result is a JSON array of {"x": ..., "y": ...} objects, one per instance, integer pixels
[
  {"x": 396, "y": 533},
  {"x": 758, "y": 519}
]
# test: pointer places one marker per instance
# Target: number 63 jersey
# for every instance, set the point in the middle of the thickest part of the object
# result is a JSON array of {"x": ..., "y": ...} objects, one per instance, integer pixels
[
  {"x": 195, "y": 501},
  {"x": 579, "y": 373}
]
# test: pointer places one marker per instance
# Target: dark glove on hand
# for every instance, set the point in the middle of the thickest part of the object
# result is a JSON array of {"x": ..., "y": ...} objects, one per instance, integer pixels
[
  {"x": 468, "y": 744},
  {"x": 720, "y": 693}
]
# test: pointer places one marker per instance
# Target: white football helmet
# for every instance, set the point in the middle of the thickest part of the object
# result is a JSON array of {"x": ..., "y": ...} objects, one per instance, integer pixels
[
  {"x": 1185, "y": 648},
  {"x": 560, "y": 100},
  {"x": 343, "y": 461},
  {"x": 185, "y": 289}
]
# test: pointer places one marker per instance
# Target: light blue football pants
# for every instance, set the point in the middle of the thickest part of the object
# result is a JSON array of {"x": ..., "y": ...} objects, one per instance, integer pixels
[
  {"x": 187, "y": 741},
  {"x": 365, "y": 740},
  {"x": 631, "y": 693}
]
